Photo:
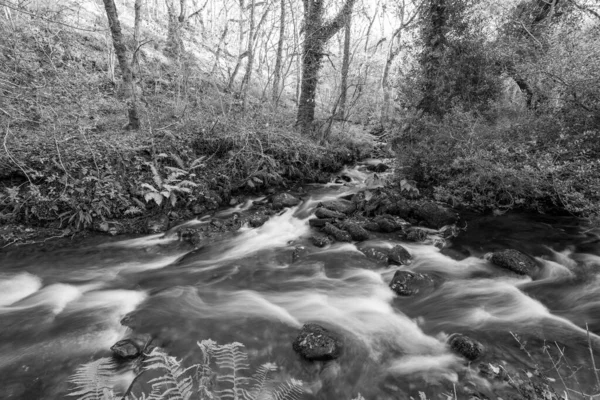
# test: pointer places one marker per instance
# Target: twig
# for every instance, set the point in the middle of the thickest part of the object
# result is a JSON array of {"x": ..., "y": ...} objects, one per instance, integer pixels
[
  {"x": 587, "y": 329},
  {"x": 11, "y": 157}
]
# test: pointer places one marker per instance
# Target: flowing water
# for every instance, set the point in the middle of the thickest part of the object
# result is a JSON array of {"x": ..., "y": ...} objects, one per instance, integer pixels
[{"x": 61, "y": 308}]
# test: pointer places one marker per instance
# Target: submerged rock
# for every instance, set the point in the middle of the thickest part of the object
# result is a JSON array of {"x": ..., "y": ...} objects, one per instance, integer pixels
[
  {"x": 466, "y": 347},
  {"x": 316, "y": 343},
  {"x": 407, "y": 283},
  {"x": 435, "y": 215},
  {"x": 283, "y": 200},
  {"x": 512, "y": 260},
  {"x": 336, "y": 233},
  {"x": 324, "y": 213},
  {"x": 339, "y": 205},
  {"x": 399, "y": 256}
]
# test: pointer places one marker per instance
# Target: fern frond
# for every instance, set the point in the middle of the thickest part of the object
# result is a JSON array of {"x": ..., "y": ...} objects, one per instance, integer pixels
[
  {"x": 94, "y": 380},
  {"x": 291, "y": 390},
  {"x": 233, "y": 358},
  {"x": 261, "y": 378},
  {"x": 174, "y": 385}
]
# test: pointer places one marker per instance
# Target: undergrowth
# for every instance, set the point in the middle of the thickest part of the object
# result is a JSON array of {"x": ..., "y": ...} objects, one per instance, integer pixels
[{"x": 499, "y": 162}]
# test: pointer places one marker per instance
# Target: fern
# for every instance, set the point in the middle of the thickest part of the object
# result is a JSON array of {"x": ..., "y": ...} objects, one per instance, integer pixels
[
  {"x": 291, "y": 390},
  {"x": 232, "y": 358},
  {"x": 261, "y": 378},
  {"x": 174, "y": 384},
  {"x": 94, "y": 380}
]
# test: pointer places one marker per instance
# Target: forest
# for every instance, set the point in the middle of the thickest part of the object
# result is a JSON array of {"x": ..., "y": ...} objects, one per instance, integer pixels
[{"x": 215, "y": 137}]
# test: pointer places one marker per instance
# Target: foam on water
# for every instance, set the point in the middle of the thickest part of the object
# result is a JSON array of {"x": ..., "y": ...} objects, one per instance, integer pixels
[
  {"x": 16, "y": 287},
  {"x": 54, "y": 297}
]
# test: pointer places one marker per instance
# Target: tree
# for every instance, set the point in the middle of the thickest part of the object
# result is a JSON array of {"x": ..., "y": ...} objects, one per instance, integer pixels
[
  {"x": 405, "y": 19},
  {"x": 345, "y": 67},
  {"x": 316, "y": 35},
  {"x": 129, "y": 86},
  {"x": 279, "y": 56}
]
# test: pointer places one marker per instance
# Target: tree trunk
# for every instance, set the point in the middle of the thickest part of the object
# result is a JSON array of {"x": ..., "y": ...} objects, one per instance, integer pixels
[
  {"x": 279, "y": 58},
  {"x": 174, "y": 46},
  {"x": 316, "y": 35},
  {"x": 250, "y": 51},
  {"x": 123, "y": 58},
  {"x": 435, "y": 43},
  {"x": 345, "y": 69},
  {"x": 385, "y": 79},
  {"x": 137, "y": 22}
]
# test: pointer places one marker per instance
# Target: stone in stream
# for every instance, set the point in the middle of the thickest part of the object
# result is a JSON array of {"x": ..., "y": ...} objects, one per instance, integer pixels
[
  {"x": 512, "y": 260},
  {"x": 336, "y": 233},
  {"x": 374, "y": 254},
  {"x": 381, "y": 167},
  {"x": 388, "y": 224},
  {"x": 319, "y": 223},
  {"x": 339, "y": 205},
  {"x": 316, "y": 343},
  {"x": 417, "y": 235},
  {"x": 257, "y": 220},
  {"x": 469, "y": 348},
  {"x": 356, "y": 231},
  {"x": 130, "y": 348},
  {"x": 435, "y": 215},
  {"x": 407, "y": 283},
  {"x": 283, "y": 200},
  {"x": 399, "y": 256},
  {"x": 320, "y": 240},
  {"x": 324, "y": 213}
]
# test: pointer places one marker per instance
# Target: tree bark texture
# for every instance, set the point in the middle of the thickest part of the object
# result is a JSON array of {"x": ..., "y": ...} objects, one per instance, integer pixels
[
  {"x": 316, "y": 35},
  {"x": 123, "y": 58},
  {"x": 279, "y": 57},
  {"x": 345, "y": 69},
  {"x": 435, "y": 42}
]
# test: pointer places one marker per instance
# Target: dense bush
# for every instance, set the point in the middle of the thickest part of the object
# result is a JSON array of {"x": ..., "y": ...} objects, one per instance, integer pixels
[{"x": 529, "y": 162}]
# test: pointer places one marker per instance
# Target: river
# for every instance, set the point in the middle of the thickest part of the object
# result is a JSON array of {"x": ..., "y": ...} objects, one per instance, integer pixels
[{"x": 61, "y": 308}]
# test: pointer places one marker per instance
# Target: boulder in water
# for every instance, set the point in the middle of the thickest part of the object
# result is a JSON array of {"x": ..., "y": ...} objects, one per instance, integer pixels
[
  {"x": 356, "y": 231},
  {"x": 381, "y": 167},
  {"x": 417, "y": 235},
  {"x": 435, "y": 215},
  {"x": 321, "y": 240},
  {"x": 399, "y": 256},
  {"x": 388, "y": 224},
  {"x": 324, "y": 213},
  {"x": 319, "y": 223},
  {"x": 316, "y": 343},
  {"x": 512, "y": 260},
  {"x": 374, "y": 254},
  {"x": 339, "y": 205},
  {"x": 408, "y": 283},
  {"x": 129, "y": 348},
  {"x": 466, "y": 347},
  {"x": 257, "y": 220},
  {"x": 336, "y": 233},
  {"x": 283, "y": 200}
]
